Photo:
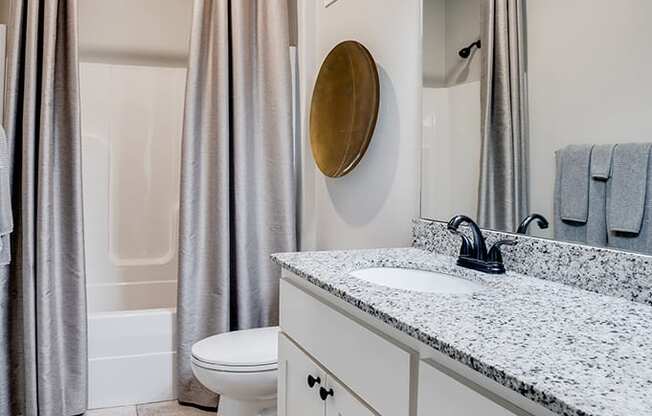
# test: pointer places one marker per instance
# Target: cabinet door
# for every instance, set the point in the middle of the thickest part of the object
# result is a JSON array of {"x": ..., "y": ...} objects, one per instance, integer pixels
[
  {"x": 341, "y": 402},
  {"x": 443, "y": 395},
  {"x": 295, "y": 396}
]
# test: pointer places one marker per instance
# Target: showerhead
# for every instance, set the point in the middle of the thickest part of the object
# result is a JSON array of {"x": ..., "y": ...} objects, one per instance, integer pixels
[{"x": 466, "y": 52}]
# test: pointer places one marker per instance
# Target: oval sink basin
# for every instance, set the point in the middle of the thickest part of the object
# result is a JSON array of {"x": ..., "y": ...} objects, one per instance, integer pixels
[{"x": 417, "y": 280}]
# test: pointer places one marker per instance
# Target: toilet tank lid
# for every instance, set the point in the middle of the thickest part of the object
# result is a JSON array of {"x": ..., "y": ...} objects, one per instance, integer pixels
[{"x": 250, "y": 347}]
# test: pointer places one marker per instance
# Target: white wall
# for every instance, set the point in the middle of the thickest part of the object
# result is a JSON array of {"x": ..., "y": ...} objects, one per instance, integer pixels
[
  {"x": 434, "y": 43},
  {"x": 374, "y": 205},
  {"x": 589, "y": 80},
  {"x": 139, "y": 32}
]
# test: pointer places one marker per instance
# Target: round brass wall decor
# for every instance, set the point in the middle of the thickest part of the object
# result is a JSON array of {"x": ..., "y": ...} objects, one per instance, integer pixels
[{"x": 344, "y": 108}]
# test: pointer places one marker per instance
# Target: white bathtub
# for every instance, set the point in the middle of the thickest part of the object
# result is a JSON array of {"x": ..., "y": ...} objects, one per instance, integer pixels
[
  {"x": 131, "y": 343},
  {"x": 131, "y": 357}
]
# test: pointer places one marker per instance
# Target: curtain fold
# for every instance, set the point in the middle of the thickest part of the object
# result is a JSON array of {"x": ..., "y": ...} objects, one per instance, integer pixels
[
  {"x": 237, "y": 180},
  {"x": 43, "y": 357},
  {"x": 503, "y": 186}
]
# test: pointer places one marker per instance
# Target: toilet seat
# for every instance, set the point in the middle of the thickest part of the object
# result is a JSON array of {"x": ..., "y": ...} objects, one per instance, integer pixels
[
  {"x": 245, "y": 351},
  {"x": 235, "y": 369}
]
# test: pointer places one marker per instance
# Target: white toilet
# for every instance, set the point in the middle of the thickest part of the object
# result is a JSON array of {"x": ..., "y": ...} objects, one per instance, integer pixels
[{"x": 241, "y": 367}]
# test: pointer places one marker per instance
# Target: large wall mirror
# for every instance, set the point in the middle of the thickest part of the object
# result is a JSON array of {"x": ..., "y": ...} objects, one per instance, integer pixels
[{"x": 550, "y": 113}]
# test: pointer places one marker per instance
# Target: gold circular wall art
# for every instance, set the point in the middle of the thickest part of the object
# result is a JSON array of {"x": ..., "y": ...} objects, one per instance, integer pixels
[{"x": 344, "y": 108}]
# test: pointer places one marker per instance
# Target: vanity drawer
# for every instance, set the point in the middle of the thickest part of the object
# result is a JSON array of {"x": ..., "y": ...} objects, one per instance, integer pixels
[
  {"x": 443, "y": 393},
  {"x": 373, "y": 367}
]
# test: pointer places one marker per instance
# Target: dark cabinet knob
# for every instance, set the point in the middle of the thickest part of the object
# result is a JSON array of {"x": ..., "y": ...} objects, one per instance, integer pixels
[
  {"x": 313, "y": 380},
  {"x": 323, "y": 393}
]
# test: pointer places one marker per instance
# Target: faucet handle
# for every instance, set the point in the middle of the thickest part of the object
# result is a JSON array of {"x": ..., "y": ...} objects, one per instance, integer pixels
[{"x": 495, "y": 254}]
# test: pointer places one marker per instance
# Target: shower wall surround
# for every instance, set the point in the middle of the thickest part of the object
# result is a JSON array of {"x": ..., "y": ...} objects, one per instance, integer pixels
[
  {"x": 608, "y": 272},
  {"x": 131, "y": 135}
]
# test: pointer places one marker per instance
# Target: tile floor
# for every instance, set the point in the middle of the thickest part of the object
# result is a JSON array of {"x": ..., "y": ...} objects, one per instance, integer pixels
[{"x": 150, "y": 409}]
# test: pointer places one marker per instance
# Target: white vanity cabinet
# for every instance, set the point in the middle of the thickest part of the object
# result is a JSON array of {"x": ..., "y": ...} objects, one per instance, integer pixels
[
  {"x": 297, "y": 396},
  {"x": 369, "y": 369},
  {"x": 443, "y": 394}
]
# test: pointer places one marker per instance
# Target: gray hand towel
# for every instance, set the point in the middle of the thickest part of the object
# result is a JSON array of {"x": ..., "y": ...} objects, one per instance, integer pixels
[
  {"x": 628, "y": 187},
  {"x": 642, "y": 241},
  {"x": 601, "y": 161},
  {"x": 596, "y": 224},
  {"x": 575, "y": 165},
  {"x": 6, "y": 216},
  {"x": 564, "y": 231}
]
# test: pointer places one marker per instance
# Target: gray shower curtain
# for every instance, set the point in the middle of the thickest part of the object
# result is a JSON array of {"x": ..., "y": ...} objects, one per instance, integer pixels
[
  {"x": 503, "y": 187},
  {"x": 42, "y": 292},
  {"x": 237, "y": 186}
]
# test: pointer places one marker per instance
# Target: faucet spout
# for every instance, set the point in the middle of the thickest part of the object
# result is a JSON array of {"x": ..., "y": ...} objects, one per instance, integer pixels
[
  {"x": 478, "y": 246},
  {"x": 542, "y": 222}
]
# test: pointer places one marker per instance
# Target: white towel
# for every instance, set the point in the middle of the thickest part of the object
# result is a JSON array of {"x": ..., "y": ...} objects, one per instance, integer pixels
[{"x": 6, "y": 215}]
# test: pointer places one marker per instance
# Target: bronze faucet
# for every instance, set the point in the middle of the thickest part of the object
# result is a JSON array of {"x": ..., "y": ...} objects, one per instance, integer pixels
[{"x": 473, "y": 253}]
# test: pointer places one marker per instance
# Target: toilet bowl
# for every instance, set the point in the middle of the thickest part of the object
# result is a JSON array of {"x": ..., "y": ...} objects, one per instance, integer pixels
[{"x": 241, "y": 366}]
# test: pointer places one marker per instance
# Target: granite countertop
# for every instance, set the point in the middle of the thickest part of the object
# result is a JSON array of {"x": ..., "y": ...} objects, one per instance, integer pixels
[{"x": 572, "y": 351}]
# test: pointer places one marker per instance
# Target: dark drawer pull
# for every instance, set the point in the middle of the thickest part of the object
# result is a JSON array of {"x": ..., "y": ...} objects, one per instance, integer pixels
[
  {"x": 323, "y": 393},
  {"x": 313, "y": 380}
]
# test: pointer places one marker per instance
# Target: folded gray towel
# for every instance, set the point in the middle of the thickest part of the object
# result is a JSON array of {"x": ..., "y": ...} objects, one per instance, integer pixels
[
  {"x": 596, "y": 223},
  {"x": 6, "y": 216},
  {"x": 640, "y": 242},
  {"x": 628, "y": 187},
  {"x": 575, "y": 165},
  {"x": 601, "y": 161},
  {"x": 563, "y": 230}
]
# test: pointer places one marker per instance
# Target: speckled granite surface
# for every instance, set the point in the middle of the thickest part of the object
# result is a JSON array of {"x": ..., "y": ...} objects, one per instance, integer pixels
[
  {"x": 601, "y": 270},
  {"x": 572, "y": 351}
]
